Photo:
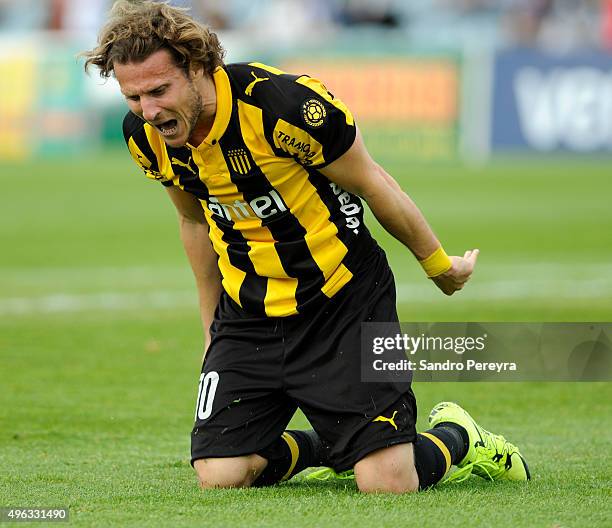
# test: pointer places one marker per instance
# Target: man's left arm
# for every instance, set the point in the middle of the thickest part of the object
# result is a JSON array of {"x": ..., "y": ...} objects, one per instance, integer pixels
[{"x": 359, "y": 174}]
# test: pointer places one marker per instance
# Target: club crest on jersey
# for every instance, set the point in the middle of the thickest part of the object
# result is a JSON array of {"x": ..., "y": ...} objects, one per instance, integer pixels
[
  {"x": 239, "y": 161},
  {"x": 314, "y": 113}
]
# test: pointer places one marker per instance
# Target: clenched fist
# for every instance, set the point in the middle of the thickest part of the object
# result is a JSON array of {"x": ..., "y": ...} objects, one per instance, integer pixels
[{"x": 459, "y": 273}]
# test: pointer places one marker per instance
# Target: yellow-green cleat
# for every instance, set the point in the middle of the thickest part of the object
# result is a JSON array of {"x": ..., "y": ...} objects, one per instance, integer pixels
[
  {"x": 327, "y": 473},
  {"x": 489, "y": 456}
]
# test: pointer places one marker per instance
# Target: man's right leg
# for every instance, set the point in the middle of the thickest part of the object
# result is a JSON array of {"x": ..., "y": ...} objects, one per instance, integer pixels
[
  {"x": 293, "y": 452},
  {"x": 487, "y": 455},
  {"x": 239, "y": 436},
  {"x": 232, "y": 472}
]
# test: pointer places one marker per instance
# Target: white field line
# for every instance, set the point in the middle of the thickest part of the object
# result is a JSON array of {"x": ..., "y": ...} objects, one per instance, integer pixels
[
  {"x": 107, "y": 301},
  {"x": 528, "y": 289},
  {"x": 557, "y": 269}
]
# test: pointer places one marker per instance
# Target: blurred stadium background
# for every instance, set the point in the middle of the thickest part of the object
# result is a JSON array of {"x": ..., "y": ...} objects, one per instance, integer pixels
[
  {"x": 446, "y": 79},
  {"x": 495, "y": 115}
]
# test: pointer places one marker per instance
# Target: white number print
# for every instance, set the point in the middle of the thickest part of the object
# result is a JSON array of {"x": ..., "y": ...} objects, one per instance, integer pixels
[{"x": 206, "y": 394}]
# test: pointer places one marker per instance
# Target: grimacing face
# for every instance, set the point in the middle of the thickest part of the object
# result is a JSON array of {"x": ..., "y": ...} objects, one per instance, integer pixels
[{"x": 160, "y": 92}]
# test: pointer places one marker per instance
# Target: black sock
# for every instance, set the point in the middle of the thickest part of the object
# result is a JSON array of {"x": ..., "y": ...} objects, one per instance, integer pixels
[
  {"x": 290, "y": 454},
  {"x": 464, "y": 445},
  {"x": 435, "y": 451}
]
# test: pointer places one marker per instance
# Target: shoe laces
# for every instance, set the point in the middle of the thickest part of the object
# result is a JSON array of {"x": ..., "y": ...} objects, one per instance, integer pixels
[
  {"x": 489, "y": 466},
  {"x": 484, "y": 468},
  {"x": 327, "y": 473}
]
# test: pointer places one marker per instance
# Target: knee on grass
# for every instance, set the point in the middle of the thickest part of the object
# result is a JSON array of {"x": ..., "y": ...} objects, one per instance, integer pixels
[
  {"x": 234, "y": 472},
  {"x": 389, "y": 470}
]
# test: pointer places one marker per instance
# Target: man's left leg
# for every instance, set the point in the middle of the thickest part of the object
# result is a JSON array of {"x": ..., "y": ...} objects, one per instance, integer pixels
[
  {"x": 455, "y": 439},
  {"x": 410, "y": 467}
]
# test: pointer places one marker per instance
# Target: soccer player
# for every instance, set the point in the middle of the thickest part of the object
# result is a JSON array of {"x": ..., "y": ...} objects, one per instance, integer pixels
[{"x": 267, "y": 171}]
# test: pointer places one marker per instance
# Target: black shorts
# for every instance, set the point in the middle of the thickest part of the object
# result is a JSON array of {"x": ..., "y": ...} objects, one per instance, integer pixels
[{"x": 259, "y": 370}]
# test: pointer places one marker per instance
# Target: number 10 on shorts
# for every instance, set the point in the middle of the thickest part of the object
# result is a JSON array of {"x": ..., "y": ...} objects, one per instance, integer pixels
[{"x": 206, "y": 394}]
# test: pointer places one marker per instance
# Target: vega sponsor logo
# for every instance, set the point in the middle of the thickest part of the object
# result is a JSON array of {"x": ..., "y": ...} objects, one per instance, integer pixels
[
  {"x": 348, "y": 207},
  {"x": 263, "y": 207},
  {"x": 565, "y": 107}
]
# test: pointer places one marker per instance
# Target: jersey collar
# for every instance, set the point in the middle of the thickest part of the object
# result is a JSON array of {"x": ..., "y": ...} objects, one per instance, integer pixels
[{"x": 224, "y": 108}]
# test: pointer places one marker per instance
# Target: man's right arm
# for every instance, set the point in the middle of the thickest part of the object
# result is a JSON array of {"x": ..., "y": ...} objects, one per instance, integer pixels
[{"x": 202, "y": 258}]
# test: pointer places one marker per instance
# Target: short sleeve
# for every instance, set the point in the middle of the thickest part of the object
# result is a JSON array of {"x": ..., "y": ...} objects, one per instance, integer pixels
[
  {"x": 303, "y": 119},
  {"x": 327, "y": 119},
  {"x": 140, "y": 149}
]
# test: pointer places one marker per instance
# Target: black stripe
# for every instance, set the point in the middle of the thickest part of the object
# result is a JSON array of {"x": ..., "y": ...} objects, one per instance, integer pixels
[
  {"x": 130, "y": 123},
  {"x": 269, "y": 124},
  {"x": 238, "y": 249},
  {"x": 240, "y": 77},
  {"x": 140, "y": 138},
  {"x": 242, "y": 168},
  {"x": 327, "y": 196},
  {"x": 358, "y": 244},
  {"x": 187, "y": 178},
  {"x": 293, "y": 252},
  {"x": 283, "y": 97}
]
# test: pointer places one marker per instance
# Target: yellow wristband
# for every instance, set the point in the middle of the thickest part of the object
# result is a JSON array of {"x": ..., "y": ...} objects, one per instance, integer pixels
[{"x": 437, "y": 263}]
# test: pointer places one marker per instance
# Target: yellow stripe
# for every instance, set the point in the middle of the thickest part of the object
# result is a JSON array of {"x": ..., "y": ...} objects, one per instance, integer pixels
[
  {"x": 280, "y": 298},
  {"x": 138, "y": 155},
  {"x": 158, "y": 146},
  {"x": 295, "y": 453},
  {"x": 224, "y": 106},
  {"x": 442, "y": 448},
  {"x": 270, "y": 69},
  {"x": 338, "y": 279},
  {"x": 232, "y": 276},
  {"x": 247, "y": 164},
  {"x": 280, "y": 295},
  {"x": 242, "y": 164},
  {"x": 304, "y": 146},
  {"x": 303, "y": 200},
  {"x": 281, "y": 302},
  {"x": 317, "y": 86}
]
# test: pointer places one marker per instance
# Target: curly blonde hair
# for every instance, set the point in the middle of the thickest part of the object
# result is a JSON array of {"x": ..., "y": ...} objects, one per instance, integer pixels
[{"x": 136, "y": 30}]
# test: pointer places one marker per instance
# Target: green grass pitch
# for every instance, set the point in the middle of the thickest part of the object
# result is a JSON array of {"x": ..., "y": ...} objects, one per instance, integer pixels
[{"x": 100, "y": 348}]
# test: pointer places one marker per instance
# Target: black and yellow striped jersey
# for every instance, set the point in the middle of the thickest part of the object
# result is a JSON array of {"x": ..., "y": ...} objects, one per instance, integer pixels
[{"x": 286, "y": 237}]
